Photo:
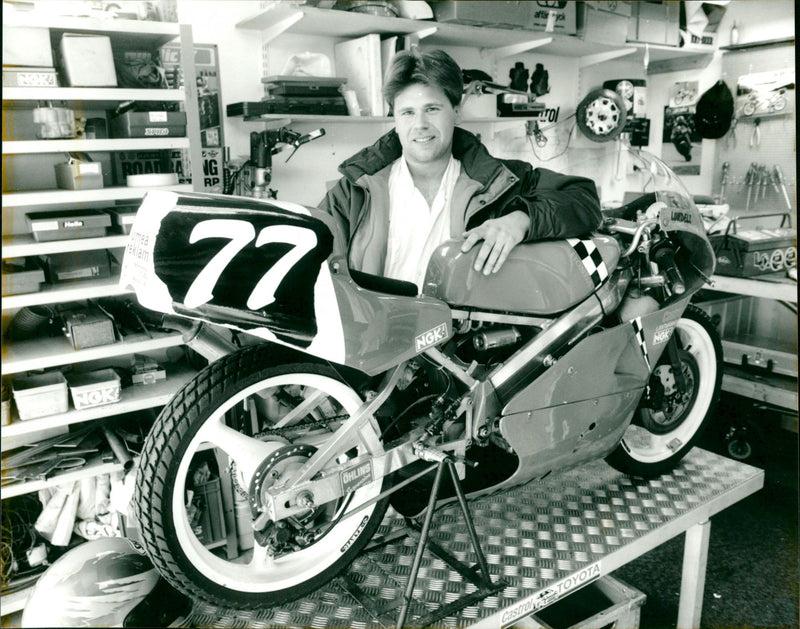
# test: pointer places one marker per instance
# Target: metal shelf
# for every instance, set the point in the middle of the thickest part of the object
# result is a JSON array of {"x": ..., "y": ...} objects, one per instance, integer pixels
[
  {"x": 132, "y": 398},
  {"x": 62, "y": 293},
  {"x": 87, "y": 97},
  {"x": 51, "y": 352},
  {"x": 25, "y": 245},
  {"x": 73, "y": 197},
  {"x": 29, "y": 147}
]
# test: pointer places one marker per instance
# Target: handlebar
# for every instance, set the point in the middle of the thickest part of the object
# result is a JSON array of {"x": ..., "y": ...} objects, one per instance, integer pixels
[{"x": 665, "y": 258}]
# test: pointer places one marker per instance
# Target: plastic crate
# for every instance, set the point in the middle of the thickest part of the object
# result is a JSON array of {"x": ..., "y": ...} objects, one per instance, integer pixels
[
  {"x": 95, "y": 388},
  {"x": 40, "y": 395}
]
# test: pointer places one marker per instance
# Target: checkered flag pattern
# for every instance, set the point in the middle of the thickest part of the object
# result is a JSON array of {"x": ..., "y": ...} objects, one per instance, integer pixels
[
  {"x": 591, "y": 259},
  {"x": 639, "y": 332}
]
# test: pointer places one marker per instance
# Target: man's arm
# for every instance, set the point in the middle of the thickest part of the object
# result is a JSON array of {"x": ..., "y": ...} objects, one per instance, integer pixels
[{"x": 546, "y": 205}]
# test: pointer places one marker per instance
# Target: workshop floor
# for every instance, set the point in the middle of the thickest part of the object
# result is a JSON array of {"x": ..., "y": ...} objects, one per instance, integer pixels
[{"x": 752, "y": 575}]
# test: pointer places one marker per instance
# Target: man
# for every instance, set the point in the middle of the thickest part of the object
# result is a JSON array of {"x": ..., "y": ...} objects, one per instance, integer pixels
[{"x": 428, "y": 181}]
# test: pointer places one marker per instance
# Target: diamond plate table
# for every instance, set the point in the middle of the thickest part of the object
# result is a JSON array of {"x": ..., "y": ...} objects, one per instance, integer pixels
[{"x": 545, "y": 540}]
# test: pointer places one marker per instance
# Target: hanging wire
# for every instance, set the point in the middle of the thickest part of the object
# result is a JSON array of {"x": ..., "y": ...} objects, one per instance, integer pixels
[{"x": 541, "y": 139}]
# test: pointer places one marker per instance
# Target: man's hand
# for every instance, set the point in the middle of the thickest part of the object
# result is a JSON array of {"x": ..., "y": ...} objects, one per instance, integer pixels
[{"x": 500, "y": 236}]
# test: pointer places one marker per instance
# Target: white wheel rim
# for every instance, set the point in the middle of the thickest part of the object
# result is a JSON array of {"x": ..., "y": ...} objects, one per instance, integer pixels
[
  {"x": 647, "y": 447},
  {"x": 262, "y": 573}
]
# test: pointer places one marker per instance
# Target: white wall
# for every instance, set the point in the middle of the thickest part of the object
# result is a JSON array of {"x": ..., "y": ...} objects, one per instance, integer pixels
[{"x": 304, "y": 178}]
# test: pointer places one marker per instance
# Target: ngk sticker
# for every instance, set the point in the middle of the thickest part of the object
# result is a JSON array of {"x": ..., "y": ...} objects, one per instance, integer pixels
[
  {"x": 663, "y": 332},
  {"x": 430, "y": 338}
]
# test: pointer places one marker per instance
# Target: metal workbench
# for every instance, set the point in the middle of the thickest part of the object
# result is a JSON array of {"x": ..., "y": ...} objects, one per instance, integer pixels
[{"x": 545, "y": 540}]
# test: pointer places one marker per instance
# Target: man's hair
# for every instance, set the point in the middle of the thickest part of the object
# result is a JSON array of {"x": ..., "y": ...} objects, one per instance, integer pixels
[{"x": 434, "y": 68}]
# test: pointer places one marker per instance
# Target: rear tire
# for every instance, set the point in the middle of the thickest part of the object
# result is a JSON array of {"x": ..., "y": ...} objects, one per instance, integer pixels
[
  {"x": 658, "y": 439},
  {"x": 202, "y": 414}
]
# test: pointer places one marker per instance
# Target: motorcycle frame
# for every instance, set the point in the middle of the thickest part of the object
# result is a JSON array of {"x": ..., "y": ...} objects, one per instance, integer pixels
[{"x": 484, "y": 399}]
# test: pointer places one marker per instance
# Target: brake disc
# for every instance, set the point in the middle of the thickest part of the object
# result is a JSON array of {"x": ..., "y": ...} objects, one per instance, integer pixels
[{"x": 601, "y": 115}]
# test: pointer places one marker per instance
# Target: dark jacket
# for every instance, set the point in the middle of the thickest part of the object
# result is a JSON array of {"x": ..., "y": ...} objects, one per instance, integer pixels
[{"x": 559, "y": 206}]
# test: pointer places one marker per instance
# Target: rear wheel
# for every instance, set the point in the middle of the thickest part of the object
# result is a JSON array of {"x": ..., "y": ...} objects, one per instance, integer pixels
[
  {"x": 259, "y": 423},
  {"x": 677, "y": 407}
]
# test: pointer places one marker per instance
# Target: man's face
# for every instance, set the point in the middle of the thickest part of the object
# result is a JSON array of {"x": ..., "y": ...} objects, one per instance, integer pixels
[{"x": 424, "y": 119}]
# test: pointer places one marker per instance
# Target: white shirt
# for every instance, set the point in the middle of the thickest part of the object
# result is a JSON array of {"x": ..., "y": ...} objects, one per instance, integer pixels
[{"x": 415, "y": 229}]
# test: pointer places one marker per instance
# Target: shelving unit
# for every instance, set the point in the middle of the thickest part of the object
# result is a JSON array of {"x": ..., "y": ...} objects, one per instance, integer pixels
[
  {"x": 289, "y": 18},
  {"x": 46, "y": 353}
]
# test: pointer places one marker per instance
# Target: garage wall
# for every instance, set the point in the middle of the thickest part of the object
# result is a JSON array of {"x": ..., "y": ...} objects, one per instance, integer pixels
[{"x": 244, "y": 61}]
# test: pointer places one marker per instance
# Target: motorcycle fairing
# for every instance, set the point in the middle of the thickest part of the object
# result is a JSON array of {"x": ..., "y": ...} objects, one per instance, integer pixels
[
  {"x": 262, "y": 267},
  {"x": 542, "y": 278}
]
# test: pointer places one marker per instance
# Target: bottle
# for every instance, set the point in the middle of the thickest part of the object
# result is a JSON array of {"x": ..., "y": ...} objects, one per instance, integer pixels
[{"x": 734, "y": 34}]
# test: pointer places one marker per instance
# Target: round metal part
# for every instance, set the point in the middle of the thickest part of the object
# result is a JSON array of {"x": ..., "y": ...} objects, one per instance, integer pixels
[
  {"x": 273, "y": 469},
  {"x": 601, "y": 115}
]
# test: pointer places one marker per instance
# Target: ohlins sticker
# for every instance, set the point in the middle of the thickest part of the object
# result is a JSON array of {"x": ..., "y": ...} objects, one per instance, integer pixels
[
  {"x": 663, "y": 332},
  {"x": 355, "y": 534},
  {"x": 640, "y": 340},
  {"x": 430, "y": 338},
  {"x": 356, "y": 477},
  {"x": 553, "y": 593},
  {"x": 591, "y": 259}
]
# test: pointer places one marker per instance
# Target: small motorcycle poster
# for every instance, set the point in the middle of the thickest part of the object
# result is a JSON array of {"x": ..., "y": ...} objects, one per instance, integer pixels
[
  {"x": 765, "y": 93},
  {"x": 681, "y": 144}
]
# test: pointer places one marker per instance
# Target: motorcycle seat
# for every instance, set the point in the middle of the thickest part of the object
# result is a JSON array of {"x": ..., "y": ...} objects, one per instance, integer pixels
[
  {"x": 383, "y": 284},
  {"x": 542, "y": 278}
]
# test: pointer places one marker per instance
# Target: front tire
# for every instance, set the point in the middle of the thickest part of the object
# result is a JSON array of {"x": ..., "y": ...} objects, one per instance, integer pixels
[
  {"x": 660, "y": 437},
  {"x": 218, "y": 412}
]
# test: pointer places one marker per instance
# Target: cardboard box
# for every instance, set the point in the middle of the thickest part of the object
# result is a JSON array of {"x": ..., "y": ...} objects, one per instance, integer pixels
[
  {"x": 525, "y": 15},
  {"x": 27, "y": 46},
  {"x": 68, "y": 224},
  {"x": 603, "y": 22},
  {"x": 78, "y": 175},
  {"x": 655, "y": 23},
  {"x": 123, "y": 217},
  {"x": 30, "y": 77},
  {"x": 149, "y": 124},
  {"x": 87, "y": 60},
  {"x": 40, "y": 395}
]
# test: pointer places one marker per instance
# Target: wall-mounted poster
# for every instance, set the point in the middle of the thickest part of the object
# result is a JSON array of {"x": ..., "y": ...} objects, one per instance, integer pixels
[
  {"x": 681, "y": 144},
  {"x": 765, "y": 93}
]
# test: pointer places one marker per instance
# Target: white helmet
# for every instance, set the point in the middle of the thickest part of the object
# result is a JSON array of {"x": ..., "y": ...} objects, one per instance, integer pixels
[{"x": 95, "y": 584}]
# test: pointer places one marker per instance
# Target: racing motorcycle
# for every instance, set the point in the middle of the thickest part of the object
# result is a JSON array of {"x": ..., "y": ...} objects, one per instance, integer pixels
[{"x": 349, "y": 387}]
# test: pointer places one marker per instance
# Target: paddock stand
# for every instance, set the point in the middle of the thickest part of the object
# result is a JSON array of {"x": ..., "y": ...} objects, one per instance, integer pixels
[{"x": 477, "y": 574}]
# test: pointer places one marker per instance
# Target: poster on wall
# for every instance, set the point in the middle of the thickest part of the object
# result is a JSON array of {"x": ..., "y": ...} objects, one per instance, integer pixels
[
  {"x": 682, "y": 145},
  {"x": 765, "y": 93}
]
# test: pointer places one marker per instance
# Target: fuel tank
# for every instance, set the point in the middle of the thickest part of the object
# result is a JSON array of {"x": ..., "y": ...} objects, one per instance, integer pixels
[{"x": 541, "y": 278}]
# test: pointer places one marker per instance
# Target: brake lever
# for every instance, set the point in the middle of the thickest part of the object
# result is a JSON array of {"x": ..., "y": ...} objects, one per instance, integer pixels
[{"x": 303, "y": 139}]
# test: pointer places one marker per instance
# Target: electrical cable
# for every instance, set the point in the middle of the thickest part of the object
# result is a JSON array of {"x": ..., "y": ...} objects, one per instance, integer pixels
[{"x": 566, "y": 148}]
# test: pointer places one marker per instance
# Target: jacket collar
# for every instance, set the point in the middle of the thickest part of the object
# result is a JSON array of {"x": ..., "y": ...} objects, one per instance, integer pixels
[{"x": 476, "y": 161}]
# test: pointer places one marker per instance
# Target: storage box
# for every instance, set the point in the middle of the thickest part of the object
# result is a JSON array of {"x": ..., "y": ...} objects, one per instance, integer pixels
[
  {"x": 68, "y": 224},
  {"x": 87, "y": 60},
  {"x": 26, "y": 46},
  {"x": 40, "y": 394},
  {"x": 655, "y": 23},
  {"x": 123, "y": 218},
  {"x": 89, "y": 327},
  {"x": 95, "y": 388},
  {"x": 603, "y": 22},
  {"x": 77, "y": 265},
  {"x": 209, "y": 499},
  {"x": 19, "y": 279},
  {"x": 149, "y": 124},
  {"x": 78, "y": 175},
  {"x": 606, "y": 602},
  {"x": 527, "y": 15},
  {"x": 756, "y": 250},
  {"x": 30, "y": 77}
]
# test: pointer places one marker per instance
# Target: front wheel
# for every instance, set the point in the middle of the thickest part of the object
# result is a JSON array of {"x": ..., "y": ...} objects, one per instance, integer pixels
[
  {"x": 675, "y": 410},
  {"x": 250, "y": 423}
]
